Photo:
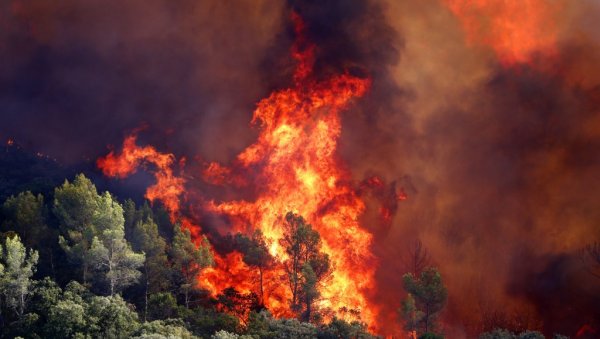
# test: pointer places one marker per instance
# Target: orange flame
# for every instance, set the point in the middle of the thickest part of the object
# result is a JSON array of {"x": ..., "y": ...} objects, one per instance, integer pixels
[
  {"x": 168, "y": 187},
  {"x": 295, "y": 168},
  {"x": 514, "y": 29}
]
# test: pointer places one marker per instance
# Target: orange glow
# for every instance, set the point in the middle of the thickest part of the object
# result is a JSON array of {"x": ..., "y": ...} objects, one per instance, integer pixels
[
  {"x": 168, "y": 187},
  {"x": 296, "y": 148},
  {"x": 514, "y": 29}
]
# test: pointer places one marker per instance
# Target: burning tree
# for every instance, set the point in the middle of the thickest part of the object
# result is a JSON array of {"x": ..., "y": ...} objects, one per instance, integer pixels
[
  {"x": 190, "y": 260},
  {"x": 306, "y": 266},
  {"x": 256, "y": 254}
]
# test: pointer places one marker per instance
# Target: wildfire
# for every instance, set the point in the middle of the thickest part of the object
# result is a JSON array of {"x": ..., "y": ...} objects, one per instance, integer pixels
[
  {"x": 294, "y": 167},
  {"x": 168, "y": 187},
  {"x": 514, "y": 29}
]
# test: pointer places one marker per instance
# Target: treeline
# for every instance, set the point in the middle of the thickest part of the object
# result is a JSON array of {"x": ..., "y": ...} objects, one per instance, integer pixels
[{"x": 79, "y": 264}]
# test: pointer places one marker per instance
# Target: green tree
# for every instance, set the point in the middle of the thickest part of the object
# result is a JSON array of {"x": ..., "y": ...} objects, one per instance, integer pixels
[
  {"x": 206, "y": 321},
  {"x": 429, "y": 294},
  {"x": 410, "y": 314},
  {"x": 26, "y": 214},
  {"x": 339, "y": 328},
  {"x": 163, "y": 329},
  {"x": 45, "y": 294},
  {"x": 134, "y": 215},
  {"x": 292, "y": 329},
  {"x": 258, "y": 324},
  {"x": 156, "y": 268},
  {"x": 110, "y": 254},
  {"x": 111, "y": 317},
  {"x": 256, "y": 254},
  {"x": 66, "y": 315},
  {"x": 17, "y": 268},
  {"x": 189, "y": 260},
  {"x": 67, "y": 319},
  {"x": 306, "y": 266},
  {"x": 77, "y": 208},
  {"x": 162, "y": 306}
]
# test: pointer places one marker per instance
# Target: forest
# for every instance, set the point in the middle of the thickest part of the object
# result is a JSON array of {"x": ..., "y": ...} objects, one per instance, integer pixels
[{"x": 79, "y": 263}]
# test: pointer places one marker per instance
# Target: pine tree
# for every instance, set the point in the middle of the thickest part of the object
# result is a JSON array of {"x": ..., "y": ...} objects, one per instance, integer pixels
[
  {"x": 76, "y": 206},
  {"x": 429, "y": 298},
  {"x": 189, "y": 260},
  {"x": 306, "y": 265},
  {"x": 16, "y": 271},
  {"x": 110, "y": 254},
  {"x": 256, "y": 254},
  {"x": 26, "y": 214},
  {"x": 156, "y": 268}
]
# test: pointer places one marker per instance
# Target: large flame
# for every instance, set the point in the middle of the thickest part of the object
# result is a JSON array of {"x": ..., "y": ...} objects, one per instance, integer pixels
[
  {"x": 294, "y": 167},
  {"x": 515, "y": 29}
]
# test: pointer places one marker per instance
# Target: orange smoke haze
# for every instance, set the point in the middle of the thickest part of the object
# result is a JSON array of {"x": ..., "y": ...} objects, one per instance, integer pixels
[{"x": 515, "y": 29}]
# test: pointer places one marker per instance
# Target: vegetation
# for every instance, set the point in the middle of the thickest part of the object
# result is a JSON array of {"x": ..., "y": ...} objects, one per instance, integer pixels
[
  {"x": 306, "y": 265},
  {"x": 80, "y": 264},
  {"x": 426, "y": 298}
]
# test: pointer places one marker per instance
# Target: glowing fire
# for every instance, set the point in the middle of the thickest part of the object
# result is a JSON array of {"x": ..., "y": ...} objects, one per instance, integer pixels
[
  {"x": 515, "y": 29},
  {"x": 168, "y": 187},
  {"x": 294, "y": 166}
]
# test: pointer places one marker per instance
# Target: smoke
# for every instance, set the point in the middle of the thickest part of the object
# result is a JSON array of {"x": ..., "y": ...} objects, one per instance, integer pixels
[
  {"x": 500, "y": 162},
  {"x": 78, "y": 76},
  {"x": 504, "y": 161}
]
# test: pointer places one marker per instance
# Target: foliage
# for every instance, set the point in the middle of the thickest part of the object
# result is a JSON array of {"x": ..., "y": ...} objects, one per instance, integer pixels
[
  {"x": 16, "y": 269},
  {"x": 112, "y": 256},
  {"x": 339, "y": 328},
  {"x": 111, "y": 317},
  {"x": 26, "y": 214},
  {"x": 291, "y": 329},
  {"x": 167, "y": 329},
  {"x": 77, "y": 208},
  {"x": 256, "y": 254},
  {"x": 306, "y": 266},
  {"x": 162, "y": 306},
  {"x": 427, "y": 297},
  {"x": 189, "y": 260},
  {"x": 203, "y": 322}
]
